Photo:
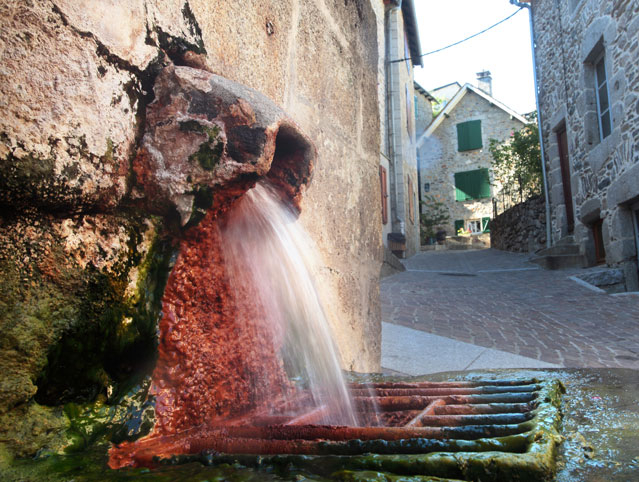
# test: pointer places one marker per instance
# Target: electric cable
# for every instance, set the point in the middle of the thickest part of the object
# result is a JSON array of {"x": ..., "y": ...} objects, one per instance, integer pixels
[{"x": 464, "y": 40}]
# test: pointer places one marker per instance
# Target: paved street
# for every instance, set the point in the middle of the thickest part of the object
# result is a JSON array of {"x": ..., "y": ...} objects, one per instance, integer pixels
[{"x": 500, "y": 301}]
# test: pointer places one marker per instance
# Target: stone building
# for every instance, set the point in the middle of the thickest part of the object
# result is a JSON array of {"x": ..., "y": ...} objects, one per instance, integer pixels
[
  {"x": 95, "y": 202},
  {"x": 398, "y": 162},
  {"x": 423, "y": 109},
  {"x": 454, "y": 159},
  {"x": 446, "y": 92},
  {"x": 587, "y": 55}
]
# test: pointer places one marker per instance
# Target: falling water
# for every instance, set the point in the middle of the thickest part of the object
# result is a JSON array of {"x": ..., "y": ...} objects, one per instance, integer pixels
[{"x": 267, "y": 252}]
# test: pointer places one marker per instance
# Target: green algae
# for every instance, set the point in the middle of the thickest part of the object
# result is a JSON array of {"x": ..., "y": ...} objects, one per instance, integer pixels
[
  {"x": 77, "y": 337},
  {"x": 370, "y": 476},
  {"x": 111, "y": 335},
  {"x": 91, "y": 466},
  {"x": 210, "y": 151},
  {"x": 202, "y": 201}
]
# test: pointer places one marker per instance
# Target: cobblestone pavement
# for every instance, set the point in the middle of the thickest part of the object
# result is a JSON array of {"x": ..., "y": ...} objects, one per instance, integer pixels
[{"x": 499, "y": 300}]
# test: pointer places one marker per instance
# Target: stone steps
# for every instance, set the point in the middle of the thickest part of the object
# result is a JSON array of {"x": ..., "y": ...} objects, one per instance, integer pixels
[
  {"x": 560, "y": 261},
  {"x": 565, "y": 254}
]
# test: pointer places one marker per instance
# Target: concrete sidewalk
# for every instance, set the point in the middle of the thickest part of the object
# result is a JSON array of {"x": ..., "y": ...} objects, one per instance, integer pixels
[
  {"x": 460, "y": 310},
  {"x": 406, "y": 351}
]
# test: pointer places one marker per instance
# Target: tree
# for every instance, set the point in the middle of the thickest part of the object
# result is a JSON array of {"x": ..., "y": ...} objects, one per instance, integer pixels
[
  {"x": 517, "y": 162},
  {"x": 434, "y": 215},
  {"x": 438, "y": 105}
]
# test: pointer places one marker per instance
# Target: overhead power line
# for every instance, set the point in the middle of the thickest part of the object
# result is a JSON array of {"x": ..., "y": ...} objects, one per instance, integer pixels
[{"x": 464, "y": 40}]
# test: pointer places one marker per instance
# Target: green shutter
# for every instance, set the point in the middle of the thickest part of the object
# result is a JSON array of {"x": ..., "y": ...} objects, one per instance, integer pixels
[
  {"x": 472, "y": 185},
  {"x": 485, "y": 225},
  {"x": 483, "y": 183},
  {"x": 462, "y": 137},
  {"x": 458, "y": 225},
  {"x": 469, "y": 136},
  {"x": 461, "y": 186}
]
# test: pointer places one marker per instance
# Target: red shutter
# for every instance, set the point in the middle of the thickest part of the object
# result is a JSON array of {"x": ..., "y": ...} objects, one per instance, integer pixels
[
  {"x": 384, "y": 191},
  {"x": 411, "y": 207}
]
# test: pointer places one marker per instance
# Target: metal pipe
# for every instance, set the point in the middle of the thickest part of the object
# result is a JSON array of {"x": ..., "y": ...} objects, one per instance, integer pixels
[
  {"x": 395, "y": 220},
  {"x": 539, "y": 123}
]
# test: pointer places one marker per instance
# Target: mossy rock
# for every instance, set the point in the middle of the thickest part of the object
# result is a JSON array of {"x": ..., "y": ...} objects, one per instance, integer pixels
[{"x": 74, "y": 332}]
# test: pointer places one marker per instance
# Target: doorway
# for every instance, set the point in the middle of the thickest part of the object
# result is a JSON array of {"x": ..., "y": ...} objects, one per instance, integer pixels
[{"x": 564, "y": 161}]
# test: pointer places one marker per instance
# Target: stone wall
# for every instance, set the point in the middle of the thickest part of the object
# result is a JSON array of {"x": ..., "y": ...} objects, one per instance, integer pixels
[
  {"x": 522, "y": 228},
  {"x": 604, "y": 174},
  {"x": 424, "y": 113},
  {"x": 440, "y": 159},
  {"x": 87, "y": 238}
]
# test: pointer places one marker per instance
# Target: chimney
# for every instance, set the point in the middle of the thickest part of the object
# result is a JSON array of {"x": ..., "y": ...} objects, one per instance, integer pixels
[{"x": 485, "y": 81}]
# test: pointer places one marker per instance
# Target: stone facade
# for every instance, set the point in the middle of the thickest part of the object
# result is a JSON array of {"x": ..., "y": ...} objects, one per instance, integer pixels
[
  {"x": 85, "y": 243},
  {"x": 522, "y": 228},
  {"x": 602, "y": 167},
  {"x": 423, "y": 109},
  {"x": 440, "y": 159},
  {"x": 399, "y": 160}
]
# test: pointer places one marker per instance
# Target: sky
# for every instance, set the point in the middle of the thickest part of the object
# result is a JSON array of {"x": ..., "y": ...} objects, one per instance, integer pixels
[{"x": 504, "y": 50}]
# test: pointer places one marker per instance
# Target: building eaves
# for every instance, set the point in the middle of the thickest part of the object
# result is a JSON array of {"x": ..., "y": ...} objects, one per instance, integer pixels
[
  {"x": 447, "y": 85},
  {"x": 456, "y": 99},
  {"x": 424, "y": 92},
  {"x": 412, "y": 32}
]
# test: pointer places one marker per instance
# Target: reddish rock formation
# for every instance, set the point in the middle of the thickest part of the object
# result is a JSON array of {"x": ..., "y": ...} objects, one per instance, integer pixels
[
  {"x": 207, "y": 140},
  {"x": 215, "y": 358}
]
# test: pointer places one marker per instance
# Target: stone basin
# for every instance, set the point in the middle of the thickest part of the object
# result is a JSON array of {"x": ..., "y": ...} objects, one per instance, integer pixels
[{"x": 600, "y": 432}]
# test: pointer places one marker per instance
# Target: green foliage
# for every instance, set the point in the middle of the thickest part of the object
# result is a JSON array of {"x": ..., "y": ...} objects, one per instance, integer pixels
[
  {"x": 434, "y": 214},
  {"x": 438, "y": 105},
  {"x": 516, "y": 162}
]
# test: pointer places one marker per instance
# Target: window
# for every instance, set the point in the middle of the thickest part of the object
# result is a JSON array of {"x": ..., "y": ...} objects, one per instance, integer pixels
[
  {"x": 469, "y": 136},
  {"x": 427, "y": 187},
  {"x": 473, "y": 226},
  {"x": 603, "y": 103},
  {"x": 384, "y": 191},
  {"x": 472, "y": 185}
]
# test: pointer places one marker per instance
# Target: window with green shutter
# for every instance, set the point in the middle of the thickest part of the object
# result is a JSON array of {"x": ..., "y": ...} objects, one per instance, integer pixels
[
  {"x": 459, "y": 223},
  {"x": 472, "y": 185},
  {"x": 469, "y": 135}
]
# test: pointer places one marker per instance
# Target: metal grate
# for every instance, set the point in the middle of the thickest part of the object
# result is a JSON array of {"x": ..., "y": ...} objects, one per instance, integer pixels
[{"x": 488, "y": 430}]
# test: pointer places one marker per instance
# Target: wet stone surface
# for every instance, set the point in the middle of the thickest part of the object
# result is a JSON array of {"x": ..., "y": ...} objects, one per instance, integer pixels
[{"x": 600, "y": 426}]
